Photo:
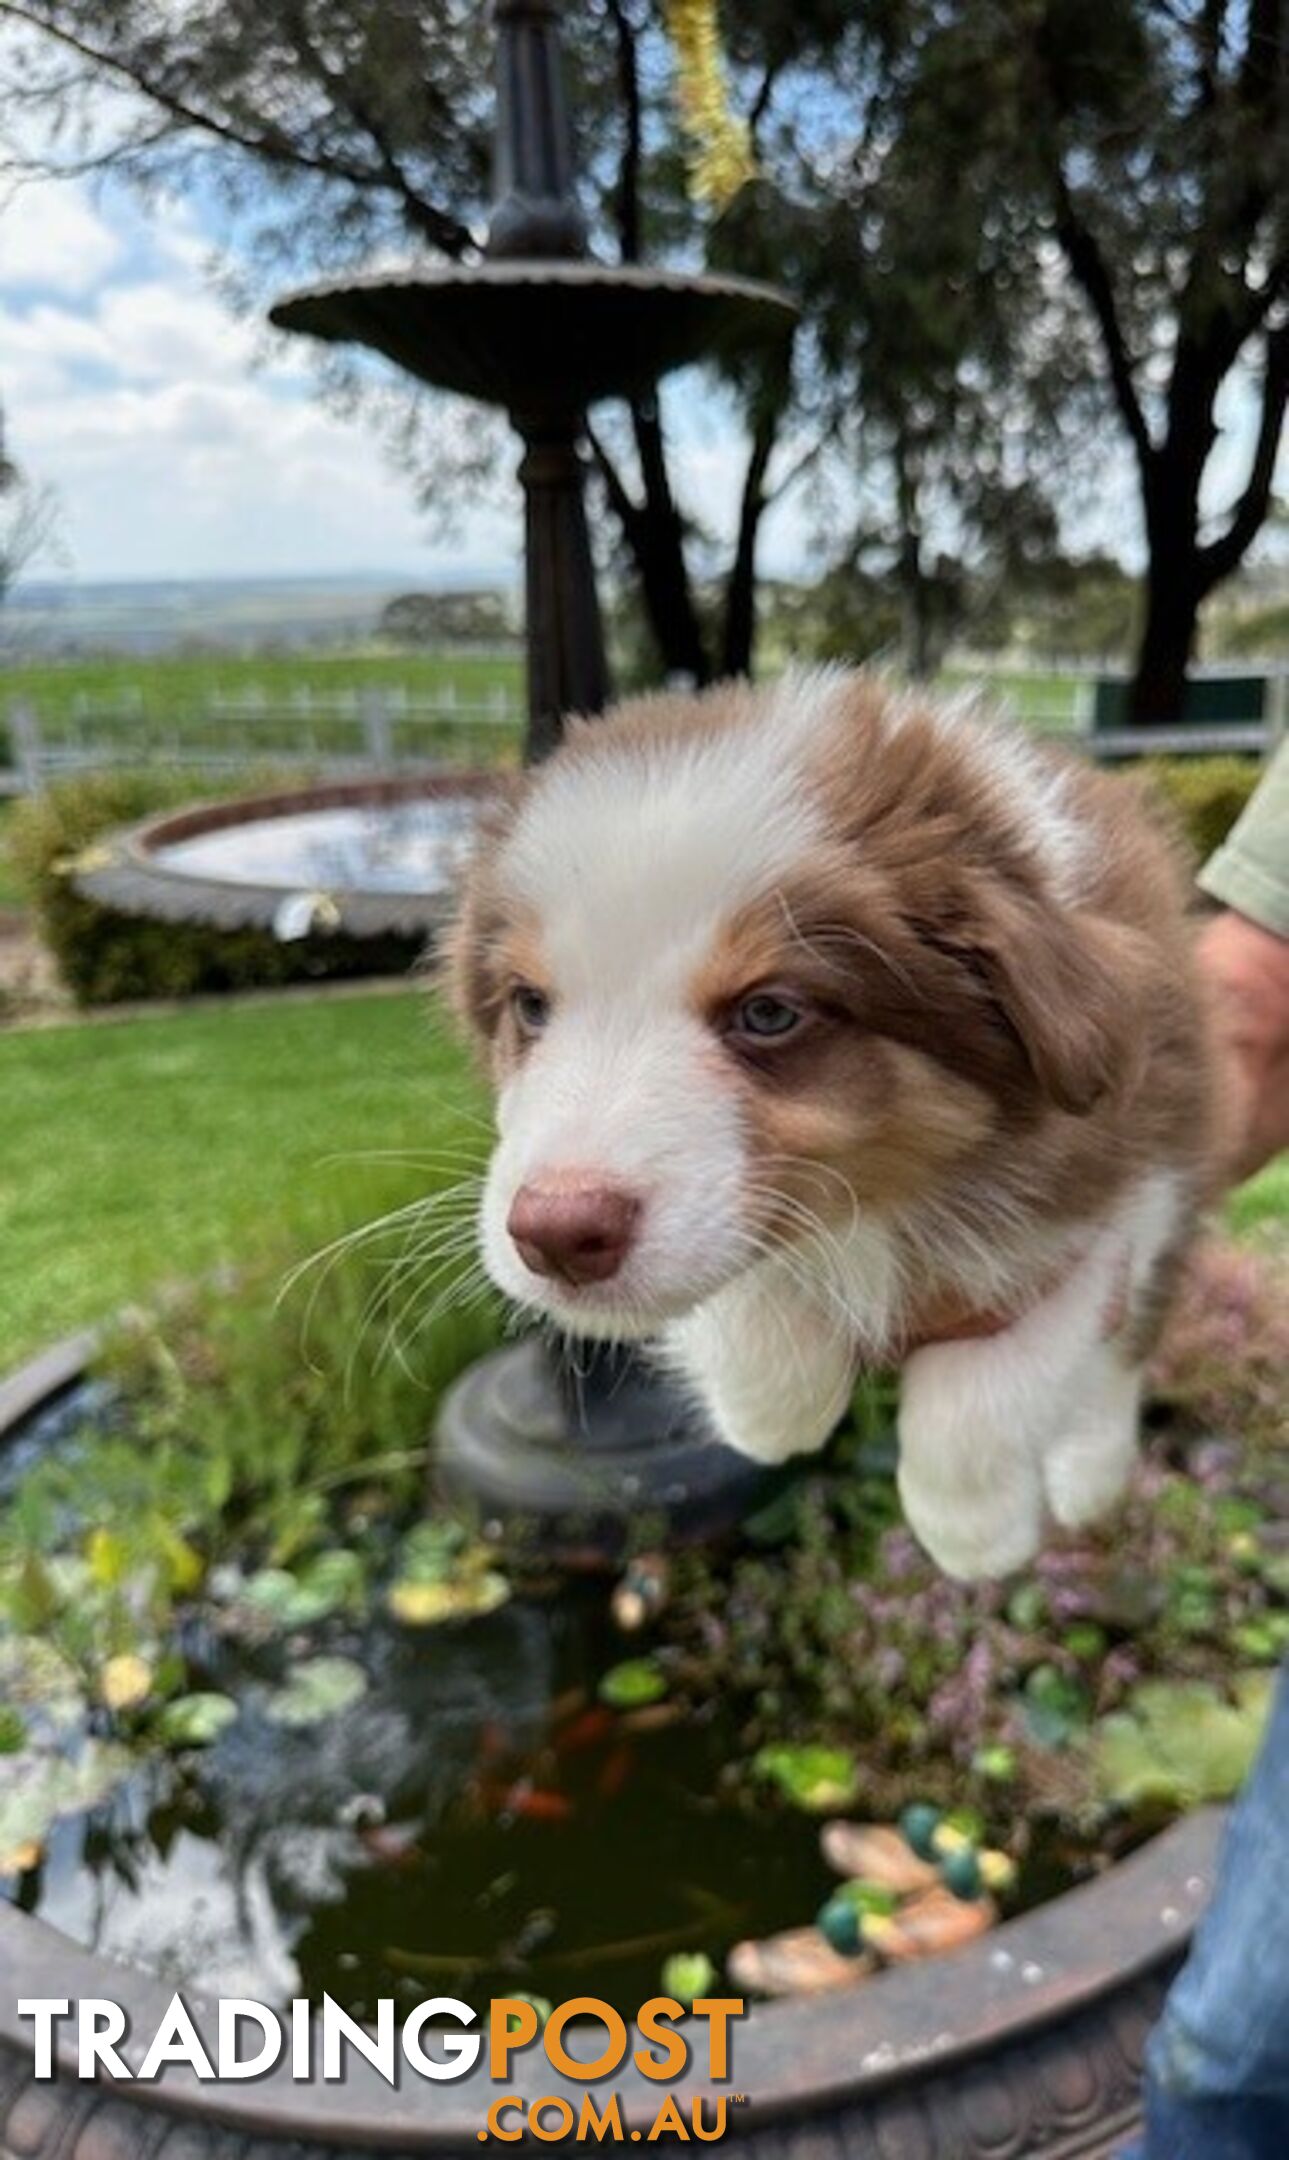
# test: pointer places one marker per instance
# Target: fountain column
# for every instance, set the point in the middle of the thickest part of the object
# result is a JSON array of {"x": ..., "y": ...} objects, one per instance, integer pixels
[{"x": 543, "y": 330}]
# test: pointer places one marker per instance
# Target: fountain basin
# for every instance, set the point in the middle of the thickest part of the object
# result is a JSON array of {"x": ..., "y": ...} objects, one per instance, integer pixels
[{"x": 371, "y": 860}]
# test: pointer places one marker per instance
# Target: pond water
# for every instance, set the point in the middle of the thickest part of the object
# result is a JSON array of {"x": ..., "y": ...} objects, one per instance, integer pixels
[
  {"x": 474, "y": 1822},
  {"x": 406, "y": 847}
]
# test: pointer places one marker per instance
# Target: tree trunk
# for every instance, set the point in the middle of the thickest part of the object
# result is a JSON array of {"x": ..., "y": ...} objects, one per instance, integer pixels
[
  {"x": 738, "y": 642},
  {"x": 1158, "y": 688},
  {"x": 659, "y": 548}
]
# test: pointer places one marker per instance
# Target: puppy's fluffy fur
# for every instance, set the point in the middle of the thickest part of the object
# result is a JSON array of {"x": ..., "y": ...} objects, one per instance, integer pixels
[{"x": 867, "y": 1010}]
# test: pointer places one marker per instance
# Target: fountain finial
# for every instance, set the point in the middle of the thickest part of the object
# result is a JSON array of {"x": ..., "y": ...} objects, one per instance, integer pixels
[{"x": 536, "y": 215}]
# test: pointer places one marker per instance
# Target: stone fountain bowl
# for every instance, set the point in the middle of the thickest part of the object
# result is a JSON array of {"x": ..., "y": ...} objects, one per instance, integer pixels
[
  {"x": 367, "y": 860},
  {"x": 1026, "y": 2045}
]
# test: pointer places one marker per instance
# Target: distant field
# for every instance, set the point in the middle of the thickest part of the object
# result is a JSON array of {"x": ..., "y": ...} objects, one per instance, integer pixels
[
  {"x": 166, "y": 685},
  {"x": 262, "y": 703}
]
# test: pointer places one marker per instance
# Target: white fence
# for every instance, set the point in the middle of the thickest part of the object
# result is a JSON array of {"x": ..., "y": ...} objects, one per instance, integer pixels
[
  {"x": 385, "y": 730},
  {"x": 390, "y": 729}
]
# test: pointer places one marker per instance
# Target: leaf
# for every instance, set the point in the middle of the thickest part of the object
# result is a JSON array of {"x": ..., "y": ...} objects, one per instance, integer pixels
[
  {"x": 13, "y": 1731},
  {"x": 107, "y": 1557},
  {"x": 813, "y": 1777},
  {"x": 428, "y": 1604},
  {"x": 633, "y": 1684},
  {"x": 195, "y": 1720},
  {"x": 36, "y": 1676},
  {"x": 319, "y": 1688},
  {"x": 688, "y": 1974},
  {"x": 38, "y": 1787},
  {"x": 289, "y": 1601},
  {"x": 1181, "y": 1742}
]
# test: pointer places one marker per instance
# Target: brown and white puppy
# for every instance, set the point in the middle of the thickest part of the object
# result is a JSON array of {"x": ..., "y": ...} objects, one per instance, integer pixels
[{"x": 818, "y": 1013}]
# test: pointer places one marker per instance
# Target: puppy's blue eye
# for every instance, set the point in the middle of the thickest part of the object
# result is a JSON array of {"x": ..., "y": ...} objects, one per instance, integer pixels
[
  {"x": 531, "y": 1007},
  {"x": 766, "y": 1018}
]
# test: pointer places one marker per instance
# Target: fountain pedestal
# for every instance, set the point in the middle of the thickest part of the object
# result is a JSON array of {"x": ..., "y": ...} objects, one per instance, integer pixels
[{"x": 542, "y": 330}]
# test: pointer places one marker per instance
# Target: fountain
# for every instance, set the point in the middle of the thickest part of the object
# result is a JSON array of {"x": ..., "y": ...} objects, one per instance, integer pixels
[{"x": 542, "y": 330}]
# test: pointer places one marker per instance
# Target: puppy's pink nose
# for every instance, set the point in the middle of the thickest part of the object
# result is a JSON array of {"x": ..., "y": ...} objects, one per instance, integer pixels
[{"x": 574, "y": 1233}]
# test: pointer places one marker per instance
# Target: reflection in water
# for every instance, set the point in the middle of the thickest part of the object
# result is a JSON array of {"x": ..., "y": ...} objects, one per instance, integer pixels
[{"x": 408, "y": 847}]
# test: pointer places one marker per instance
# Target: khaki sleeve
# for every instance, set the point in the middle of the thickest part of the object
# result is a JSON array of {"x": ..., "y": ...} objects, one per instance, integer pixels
[{"x": 1250, "y": 871}]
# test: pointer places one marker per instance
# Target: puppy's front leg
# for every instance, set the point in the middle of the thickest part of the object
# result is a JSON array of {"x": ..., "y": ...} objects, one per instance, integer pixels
[
  {"x": 773, "y": 1365},
  {"x": 978, "y": 1418}
]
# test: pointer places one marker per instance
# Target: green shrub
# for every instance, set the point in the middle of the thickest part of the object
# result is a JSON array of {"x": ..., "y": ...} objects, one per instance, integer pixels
[
  {"x": 1206, "y": 794},
  {"x": 104, "y": 956}
]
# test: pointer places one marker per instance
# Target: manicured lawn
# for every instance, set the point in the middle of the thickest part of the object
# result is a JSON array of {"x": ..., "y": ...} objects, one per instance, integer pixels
[{"x": 141, "y": 1150}]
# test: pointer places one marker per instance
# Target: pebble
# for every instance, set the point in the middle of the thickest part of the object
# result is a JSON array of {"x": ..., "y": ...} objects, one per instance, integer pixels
[
  {"x": 878, "y": 1854},
  {"x": 798, "y": 1962}
]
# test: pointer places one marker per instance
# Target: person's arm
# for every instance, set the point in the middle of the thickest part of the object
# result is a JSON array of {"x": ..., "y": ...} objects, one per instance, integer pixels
[{"x": 1244, "y": 953}]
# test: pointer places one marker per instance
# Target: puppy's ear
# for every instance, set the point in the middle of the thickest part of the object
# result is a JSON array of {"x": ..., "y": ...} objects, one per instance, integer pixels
[
  {"x": 464, "y": 966},
  {"x": 1070, "y": 987}
]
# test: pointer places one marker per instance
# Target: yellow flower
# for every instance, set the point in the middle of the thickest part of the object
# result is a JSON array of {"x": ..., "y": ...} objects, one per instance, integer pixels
[{"x": 125, "y": 1682}]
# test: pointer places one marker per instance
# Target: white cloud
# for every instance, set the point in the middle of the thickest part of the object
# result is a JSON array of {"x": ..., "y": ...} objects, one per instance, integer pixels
[
  {"x": 53, "y": 239},
  {"x": 181, "y": 440}
]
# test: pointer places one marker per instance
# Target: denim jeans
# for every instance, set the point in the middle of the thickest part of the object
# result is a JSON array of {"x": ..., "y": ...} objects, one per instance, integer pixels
[{"x": 1217, "y": 2064}]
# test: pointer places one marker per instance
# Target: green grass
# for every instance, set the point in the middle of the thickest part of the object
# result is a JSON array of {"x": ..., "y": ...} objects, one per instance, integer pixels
[
  {"x": 170, "y": 683},
  {"x": 13, "y": 893},
  {"x": 148, "y": 1150},
  {"x": 155, "y": 1149},
  {"x": 163, "y": 702}
]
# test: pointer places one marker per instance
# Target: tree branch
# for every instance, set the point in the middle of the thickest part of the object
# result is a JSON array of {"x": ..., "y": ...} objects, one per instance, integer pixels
[
  {"x": 270, "y": 143},
  {"x": 1089, "y": 270}
]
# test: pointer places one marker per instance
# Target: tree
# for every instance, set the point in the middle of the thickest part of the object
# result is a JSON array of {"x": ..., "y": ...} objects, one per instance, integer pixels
[
  {"x": 372, "y": 124},
  {"x": 1134, "y": 153},
  {"x": 28, "y": 519}
]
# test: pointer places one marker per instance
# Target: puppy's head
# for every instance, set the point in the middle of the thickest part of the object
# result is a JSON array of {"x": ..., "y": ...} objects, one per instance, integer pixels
[{"x": 746, "y": 964}]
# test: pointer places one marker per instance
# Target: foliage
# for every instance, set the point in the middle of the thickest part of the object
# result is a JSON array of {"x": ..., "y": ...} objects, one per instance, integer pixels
[
  {"x": 104, "y": 956},
  {"x": 1177, "y": 1745},
  {"x": 257, "y": 1471},
  {"x": 1206, "y": 793},
  {"x": 28, "y": 519},
  {"x": 839, "y": 1634},
  {"x": 435, "y": 619}
]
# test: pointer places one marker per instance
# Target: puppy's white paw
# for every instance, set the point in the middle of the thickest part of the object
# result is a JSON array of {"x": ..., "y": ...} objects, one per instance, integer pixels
[
  {"x": 1088, "y": 1464},
  {"x": 973, "y": 1537}
]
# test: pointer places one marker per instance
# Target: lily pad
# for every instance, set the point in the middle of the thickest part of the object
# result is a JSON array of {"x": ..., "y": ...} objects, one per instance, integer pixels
[
  {"x": 633, "y": 1684},
  {"x": 461, "y": 1597},
  {"x": 1180, "y": 1742},
  {"x": 195, "y": 1720},
  {"x": 39, "y": 1786},
  {"x": 329, "y": 1584},
  {"x": 319, "y": 1688},
  {"x": 813, "y": 1777}
]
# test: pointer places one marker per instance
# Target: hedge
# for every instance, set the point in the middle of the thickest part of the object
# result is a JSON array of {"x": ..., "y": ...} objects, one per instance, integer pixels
[
  {"x": 1207, "y": 794},
  {"x": 104, "y": 956}
]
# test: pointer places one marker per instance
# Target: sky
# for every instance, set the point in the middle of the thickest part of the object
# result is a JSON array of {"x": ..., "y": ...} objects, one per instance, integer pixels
[{"x": 185, "y": 442}]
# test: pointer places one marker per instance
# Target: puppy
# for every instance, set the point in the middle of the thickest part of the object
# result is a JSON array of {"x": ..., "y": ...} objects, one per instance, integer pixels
[{"x": 834, "y": 1026}]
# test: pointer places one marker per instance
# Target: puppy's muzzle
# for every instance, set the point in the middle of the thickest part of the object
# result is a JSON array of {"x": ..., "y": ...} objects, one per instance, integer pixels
[{"x": 573, "y": 1231}]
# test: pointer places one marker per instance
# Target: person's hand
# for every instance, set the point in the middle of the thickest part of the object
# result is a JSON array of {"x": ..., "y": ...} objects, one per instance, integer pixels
[{"x": 1247, "y": 970}]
